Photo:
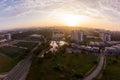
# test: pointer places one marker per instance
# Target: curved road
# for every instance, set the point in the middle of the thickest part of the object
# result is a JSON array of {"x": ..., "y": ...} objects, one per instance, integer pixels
[{"x": 97, "y": 70}]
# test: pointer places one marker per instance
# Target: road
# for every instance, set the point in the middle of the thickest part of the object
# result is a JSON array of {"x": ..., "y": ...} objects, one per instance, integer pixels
[
  {"x": 3, "y": 75},
  {"x": 26, "y": 41},
  {"x": 18, "y": 46},
  {"x": 97, "y": 70},
  {"x": 20, "y": 71}
]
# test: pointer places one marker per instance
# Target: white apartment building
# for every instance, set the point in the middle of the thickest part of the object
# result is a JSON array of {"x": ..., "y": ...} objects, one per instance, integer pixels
[
  {"x": 105, "y": 37},
  {"x": 77, "y": 35}
]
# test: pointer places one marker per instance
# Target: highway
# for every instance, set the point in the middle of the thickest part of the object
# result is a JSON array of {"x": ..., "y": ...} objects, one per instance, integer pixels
[
  {"x": 3, "y": 75},
  {"x": 97, "y": 70},
  {"x": 20, "y": 71}
]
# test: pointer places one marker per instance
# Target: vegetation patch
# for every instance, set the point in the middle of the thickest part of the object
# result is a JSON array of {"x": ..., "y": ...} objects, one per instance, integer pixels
[
  {"x": 16, "y": 54},
  {"x": 5, "y": 64},
  {"x": 28, "y": 45},
  {"x": 62, "y": 66},
  {"x": 12, "y": 52},
  {"x": 112, "y": 71}
]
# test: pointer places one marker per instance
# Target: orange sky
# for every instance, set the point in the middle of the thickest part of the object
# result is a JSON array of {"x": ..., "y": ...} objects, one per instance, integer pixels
[{"x": 103, "y": 14}]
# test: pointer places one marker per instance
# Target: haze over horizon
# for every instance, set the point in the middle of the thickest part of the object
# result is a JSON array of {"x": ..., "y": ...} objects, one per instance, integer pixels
[{"x": 103, "y": 14}]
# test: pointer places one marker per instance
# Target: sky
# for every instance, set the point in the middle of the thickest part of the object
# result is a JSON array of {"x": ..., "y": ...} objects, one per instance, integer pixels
[{"x": 103, "y": 14}]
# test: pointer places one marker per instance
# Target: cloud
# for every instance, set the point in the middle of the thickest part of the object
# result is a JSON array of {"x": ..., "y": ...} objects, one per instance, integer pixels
[
  {"x": 109, "y": 9},
  {"x": 19, "y": 6}
]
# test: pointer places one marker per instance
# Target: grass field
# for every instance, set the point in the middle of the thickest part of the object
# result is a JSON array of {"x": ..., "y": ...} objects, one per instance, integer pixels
[
  {"x": 28, "y": 45},
  {"x": 61, "y": 67},
  {"x": 11, "y": 52},
  {"x": 16, "y": 54},
  {"x": 13, "y": 56},
  {"x": 5, "y": 63},
  {"x": 87, "y": 41},
  {"x": 112, "y": 71}
]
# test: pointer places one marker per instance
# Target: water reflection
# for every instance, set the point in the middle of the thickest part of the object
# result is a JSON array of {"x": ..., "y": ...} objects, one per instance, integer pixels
[
  {"x": 61, "y": 43},
  {"x": 56, "y": 44}
]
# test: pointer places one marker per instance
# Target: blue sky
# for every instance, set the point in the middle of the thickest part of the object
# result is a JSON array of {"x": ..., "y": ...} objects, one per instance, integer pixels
[{"x": 27, "y": 13}]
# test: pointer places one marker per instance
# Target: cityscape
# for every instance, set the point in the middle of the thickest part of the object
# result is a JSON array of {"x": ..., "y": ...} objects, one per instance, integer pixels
[{"x": 59, "y": 40}]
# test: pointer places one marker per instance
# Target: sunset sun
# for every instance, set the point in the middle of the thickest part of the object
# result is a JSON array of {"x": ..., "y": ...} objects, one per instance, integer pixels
[{"x": 71, "y": 20}]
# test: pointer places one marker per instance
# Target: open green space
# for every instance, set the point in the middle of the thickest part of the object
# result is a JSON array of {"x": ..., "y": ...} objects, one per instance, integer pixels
[
  {"x": 12, "y": 56},
  {"x": 5, "y": 63},
  {"x": 62, "y": 66},
  {"x": 112, "y": 71},
  {"x": 28, "y": 45},
  {"x": 16, "y": 54},
  {"x": 87, "y": 41},
  {"x": 12, "y": 52}
]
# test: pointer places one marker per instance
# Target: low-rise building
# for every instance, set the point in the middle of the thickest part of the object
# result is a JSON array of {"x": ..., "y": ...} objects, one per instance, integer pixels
[
  {"x": 96, "y": 44},
  {"x": 113, "y": 50},
  {"x": 36, "y": 36},
  {"x": 57, "y": 35},
  {"x": 71, "y": 50}
]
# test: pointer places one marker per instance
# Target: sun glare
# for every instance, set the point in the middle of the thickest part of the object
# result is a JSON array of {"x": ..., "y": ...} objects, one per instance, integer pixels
[{"x": 71, "y": 20}]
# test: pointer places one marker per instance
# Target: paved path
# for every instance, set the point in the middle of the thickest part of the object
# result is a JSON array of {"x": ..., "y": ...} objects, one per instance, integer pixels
[
  {"x": 20, "y": 71},
  {"x": 97, "y": 70}
]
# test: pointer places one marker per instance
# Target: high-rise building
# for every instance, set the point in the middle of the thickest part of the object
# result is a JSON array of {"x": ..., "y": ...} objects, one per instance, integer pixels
[
  {"x": 77, "y": 35},
  {"x": 105, "y": 36},
  {"x": 7, "y": 36}
]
